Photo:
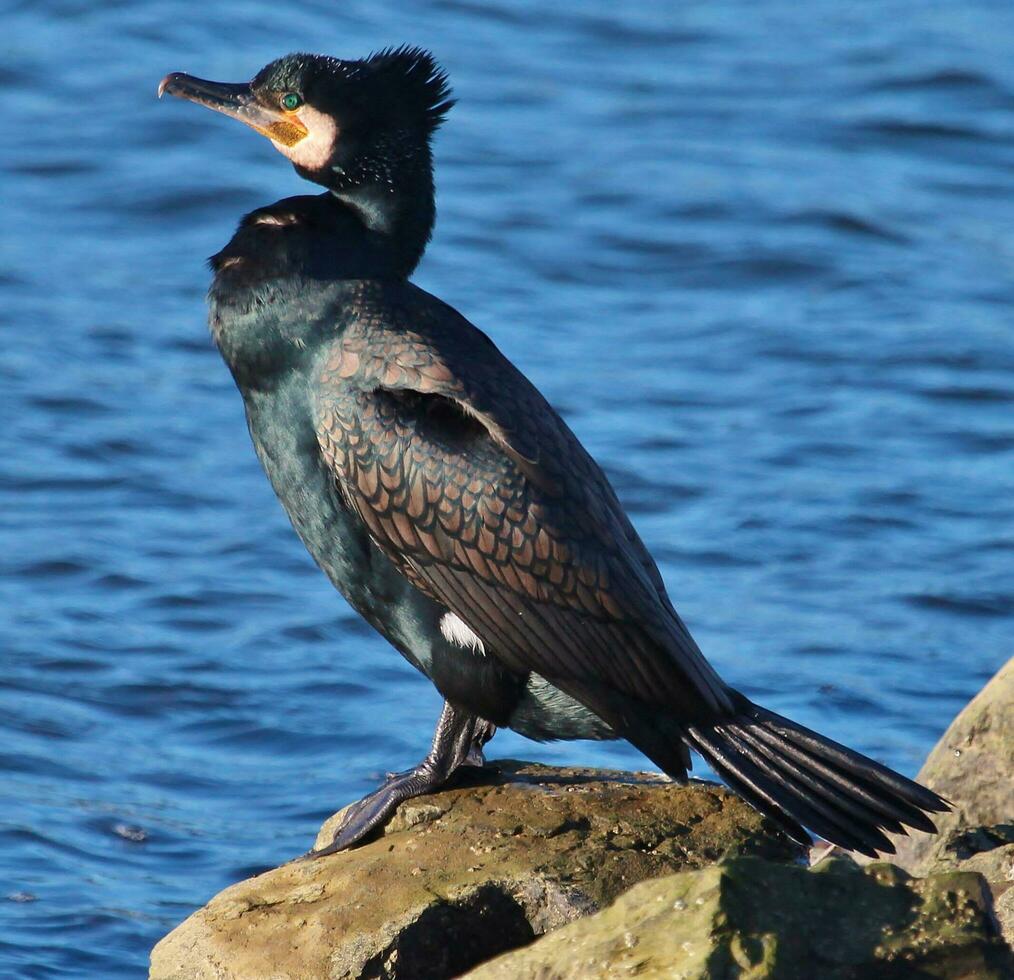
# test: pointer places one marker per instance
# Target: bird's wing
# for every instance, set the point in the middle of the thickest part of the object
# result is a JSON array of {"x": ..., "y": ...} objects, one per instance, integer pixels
[{"x": 483, "y": 497}]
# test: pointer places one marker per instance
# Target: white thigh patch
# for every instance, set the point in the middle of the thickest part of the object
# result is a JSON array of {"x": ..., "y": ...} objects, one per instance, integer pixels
[{"x": 456, "y": 630}]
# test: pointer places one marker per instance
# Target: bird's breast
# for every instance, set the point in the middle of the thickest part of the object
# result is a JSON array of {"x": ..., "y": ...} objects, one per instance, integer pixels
[
  {"x": 284, "y": 437},
  {"x": 283, "y": 434}
]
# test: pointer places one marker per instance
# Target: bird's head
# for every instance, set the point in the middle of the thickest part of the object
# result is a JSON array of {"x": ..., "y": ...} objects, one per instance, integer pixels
[{"x": 360, "y": 128}]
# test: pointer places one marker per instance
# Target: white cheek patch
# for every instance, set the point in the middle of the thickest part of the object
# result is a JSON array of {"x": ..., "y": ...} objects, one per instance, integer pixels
[
  {"x": 456, "y": 630},
  {"x": 315, "y": 149}
]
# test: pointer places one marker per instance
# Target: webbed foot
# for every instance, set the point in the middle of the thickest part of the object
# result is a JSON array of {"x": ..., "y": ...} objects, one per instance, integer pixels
[{"x": 457, "y": 742}]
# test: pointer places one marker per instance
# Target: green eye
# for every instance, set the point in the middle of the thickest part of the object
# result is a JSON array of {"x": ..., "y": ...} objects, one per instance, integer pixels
[{"x": 291, "y": 101}]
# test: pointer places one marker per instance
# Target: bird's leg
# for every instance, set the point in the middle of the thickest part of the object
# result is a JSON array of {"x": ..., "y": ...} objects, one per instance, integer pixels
[{"x": 458, "y": 741}]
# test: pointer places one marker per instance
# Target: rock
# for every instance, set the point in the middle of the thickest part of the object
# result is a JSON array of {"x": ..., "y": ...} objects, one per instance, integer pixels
[
  {"x": 463, "y": 875},
  {"x": 988, "y": 851},
  {"x": 546, "y": 873},
  {"x": 972, "y": 766},
  {"x": 755, "y": 919},
  {"x": 1003, "y": 910}
]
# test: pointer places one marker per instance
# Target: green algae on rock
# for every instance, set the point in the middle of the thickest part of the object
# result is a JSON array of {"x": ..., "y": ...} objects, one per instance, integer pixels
[{"x": 749, "y": 918}]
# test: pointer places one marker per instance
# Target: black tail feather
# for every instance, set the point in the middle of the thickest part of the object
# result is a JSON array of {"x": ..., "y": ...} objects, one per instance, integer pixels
[
  {"x": 765, "y": 789},
  {"x": 889, "y": 809},
  {"x": 848, "y": 760},
  {"x": 799, "y": 778},
  {"x": 761, "y": 800},
  {"x": 823, "y": 785},
  {"x": 828, "y": 811}
]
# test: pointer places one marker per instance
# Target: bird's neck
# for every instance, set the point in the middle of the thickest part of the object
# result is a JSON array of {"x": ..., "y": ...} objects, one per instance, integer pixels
[
  {"x": 280, "y": 278},
  {"x": 399, "y": 221}
]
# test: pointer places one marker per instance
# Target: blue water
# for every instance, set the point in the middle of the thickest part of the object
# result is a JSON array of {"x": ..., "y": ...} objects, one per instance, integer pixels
[{"x": 760, "y": 255}]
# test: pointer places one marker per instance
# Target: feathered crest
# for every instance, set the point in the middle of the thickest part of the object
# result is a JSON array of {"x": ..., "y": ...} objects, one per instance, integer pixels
[
  {"x": 417, "y": 76},
  {"x": 405, "y": 80}
]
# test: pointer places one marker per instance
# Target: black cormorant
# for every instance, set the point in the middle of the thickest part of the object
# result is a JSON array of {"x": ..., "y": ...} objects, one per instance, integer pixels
[{"x": 446, "y": 499}]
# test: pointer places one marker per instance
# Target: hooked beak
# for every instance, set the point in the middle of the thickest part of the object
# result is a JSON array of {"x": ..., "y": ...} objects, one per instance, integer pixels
[{"x": 237, "y": 102}]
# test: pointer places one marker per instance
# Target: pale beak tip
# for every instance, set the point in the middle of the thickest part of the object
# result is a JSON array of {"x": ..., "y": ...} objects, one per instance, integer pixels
[{"x": 166, "y": 82}]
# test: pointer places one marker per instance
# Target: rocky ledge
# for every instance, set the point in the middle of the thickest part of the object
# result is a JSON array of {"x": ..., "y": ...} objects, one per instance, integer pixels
[
  {"x": 538, "y": 872},
  {"x": 973, "y": 767}
]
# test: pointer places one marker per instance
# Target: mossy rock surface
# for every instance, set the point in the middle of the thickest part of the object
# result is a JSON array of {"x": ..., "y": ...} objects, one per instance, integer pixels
[
  {"x": 972, "y": 766},
  {"x": 463, "y": 875},
  {"x": 750, "y": 919}
]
